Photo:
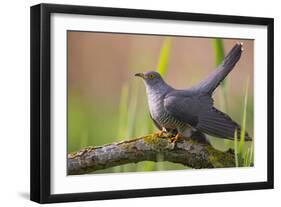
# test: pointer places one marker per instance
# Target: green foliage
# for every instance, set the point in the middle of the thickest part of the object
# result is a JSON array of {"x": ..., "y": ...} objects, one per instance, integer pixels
[
  {"x": 132, "y": 111},
  {"x": 236, "y": 149},
  {"x": 163, "y": 60},
  {"x": 123, "y": 113},
  {"x": 243, "y": 153},
  {"x": 219, "y": 51},
  {"x": 243, "y": 129},
  {"x": 86, "y": 123}
]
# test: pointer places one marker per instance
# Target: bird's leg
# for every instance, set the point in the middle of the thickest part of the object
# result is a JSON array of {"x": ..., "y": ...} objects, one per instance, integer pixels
[
  {"x": 160, "y": 133},
  {"x": 177, "y": 138}
]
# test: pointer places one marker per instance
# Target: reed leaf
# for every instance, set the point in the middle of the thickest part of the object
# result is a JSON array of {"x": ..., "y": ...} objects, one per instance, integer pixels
[
  {"x": 163, "y": 60},
  {"x": 236, "y": 149},
  {"x": 243, "y": 127},
  {"x": 132, "y": 111},
  {"x": 123, "y": 114},
  {"x": 251, "y": 154},
  {"x": 219, "y": 51}
]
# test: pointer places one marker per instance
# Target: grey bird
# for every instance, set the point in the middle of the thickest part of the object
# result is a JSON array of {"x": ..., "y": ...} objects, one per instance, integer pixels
[{"x": 190, "y": 112}]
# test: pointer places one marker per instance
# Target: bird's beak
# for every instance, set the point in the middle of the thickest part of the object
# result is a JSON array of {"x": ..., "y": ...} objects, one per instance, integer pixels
[{"x": 140, "y": 75}]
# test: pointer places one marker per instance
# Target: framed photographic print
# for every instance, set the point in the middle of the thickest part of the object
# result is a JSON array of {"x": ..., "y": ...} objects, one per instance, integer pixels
[{"x": 132, "y": 103}]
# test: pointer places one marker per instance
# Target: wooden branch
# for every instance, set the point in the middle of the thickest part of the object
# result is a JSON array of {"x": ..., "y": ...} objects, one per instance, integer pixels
[{"x": 187, "y": 152}]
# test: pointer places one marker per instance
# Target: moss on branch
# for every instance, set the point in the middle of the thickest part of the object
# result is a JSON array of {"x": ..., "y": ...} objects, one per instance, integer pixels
[{"x": 187, "y": 152}]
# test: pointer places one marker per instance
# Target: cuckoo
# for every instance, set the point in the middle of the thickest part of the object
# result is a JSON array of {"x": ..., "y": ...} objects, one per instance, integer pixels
[{"x": 191, "y": 112}]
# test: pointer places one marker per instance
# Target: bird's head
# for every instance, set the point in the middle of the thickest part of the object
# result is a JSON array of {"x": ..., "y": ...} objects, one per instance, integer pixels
[{"x": 151, "y": 78}]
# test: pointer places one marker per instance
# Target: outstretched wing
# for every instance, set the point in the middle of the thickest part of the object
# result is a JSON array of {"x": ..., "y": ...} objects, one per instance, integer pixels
[
  {"x": 218, "y": 124},
  {"x": 198, "y": 112},
  {"x": 212, "y": 81}
]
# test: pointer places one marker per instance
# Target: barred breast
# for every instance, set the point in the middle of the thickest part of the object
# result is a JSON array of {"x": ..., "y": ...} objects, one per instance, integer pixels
[{"x": 159, "y": 114}]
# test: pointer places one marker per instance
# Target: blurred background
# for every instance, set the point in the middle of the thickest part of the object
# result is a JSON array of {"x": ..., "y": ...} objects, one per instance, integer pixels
[{"x": 106, "y": 103}]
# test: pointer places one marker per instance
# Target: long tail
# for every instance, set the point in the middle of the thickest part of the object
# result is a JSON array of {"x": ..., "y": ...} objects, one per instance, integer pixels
[{"x": 212, "y": 81}]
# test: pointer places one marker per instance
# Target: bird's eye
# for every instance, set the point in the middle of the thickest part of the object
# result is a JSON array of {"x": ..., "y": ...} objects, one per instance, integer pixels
[{"x": 151, "y": 76}]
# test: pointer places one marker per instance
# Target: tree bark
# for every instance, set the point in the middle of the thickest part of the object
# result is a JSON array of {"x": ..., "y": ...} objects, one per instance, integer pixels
[{"x": 187, "y": 152}]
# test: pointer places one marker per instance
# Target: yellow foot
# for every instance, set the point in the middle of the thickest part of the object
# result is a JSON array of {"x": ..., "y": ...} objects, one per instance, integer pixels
[
  {"x": 178, "y": 137},
  {"x": 159, "y": 134}
]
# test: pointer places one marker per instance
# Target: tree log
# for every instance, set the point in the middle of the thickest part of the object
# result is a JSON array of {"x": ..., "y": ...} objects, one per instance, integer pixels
[{"x": 187, "y": 152}]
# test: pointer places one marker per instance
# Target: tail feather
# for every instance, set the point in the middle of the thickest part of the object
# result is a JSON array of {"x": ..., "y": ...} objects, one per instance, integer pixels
[
  {"x": 212, "y": 81},
  {"x": 218, "y": 124}
]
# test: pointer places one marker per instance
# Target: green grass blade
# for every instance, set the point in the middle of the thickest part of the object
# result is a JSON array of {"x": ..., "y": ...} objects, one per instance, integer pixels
[
  {"x": 131, "y": 121},
  {"x": 123, "y": 118},
  {"x": 219, "y": 54},
  {"x": 219, "y": 51},
  {"x": 243, "y": 128},
  {"x": 163, "y": 59},
  {"x": 132, "y": 111},
  {"x": 235, "y": 149},
  {"x": 251, "y": 154},
  {"x": 123, "y": 114},
  {"x": 246, "y": 158}
]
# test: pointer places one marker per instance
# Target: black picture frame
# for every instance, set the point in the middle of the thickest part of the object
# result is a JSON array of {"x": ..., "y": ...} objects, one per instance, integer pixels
[{"x": 41, "y": 99}]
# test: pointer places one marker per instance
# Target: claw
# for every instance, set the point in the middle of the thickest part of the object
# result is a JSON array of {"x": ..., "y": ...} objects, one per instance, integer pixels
[
  {"x": 178, "y": 137},
  {"x": 160, "y": 133}
]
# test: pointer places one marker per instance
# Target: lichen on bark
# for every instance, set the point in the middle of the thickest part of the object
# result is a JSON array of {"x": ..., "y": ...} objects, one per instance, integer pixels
[{"x": 187, "y": 152}]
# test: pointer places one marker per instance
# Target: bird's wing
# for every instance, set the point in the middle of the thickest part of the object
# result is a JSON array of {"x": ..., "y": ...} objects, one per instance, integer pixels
[
  {"x": 218, "y": 124},
  {"x": 198, "y": 112},
  {"x": 185, "y": 106},
  {"x": 212, "y": 81}
]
